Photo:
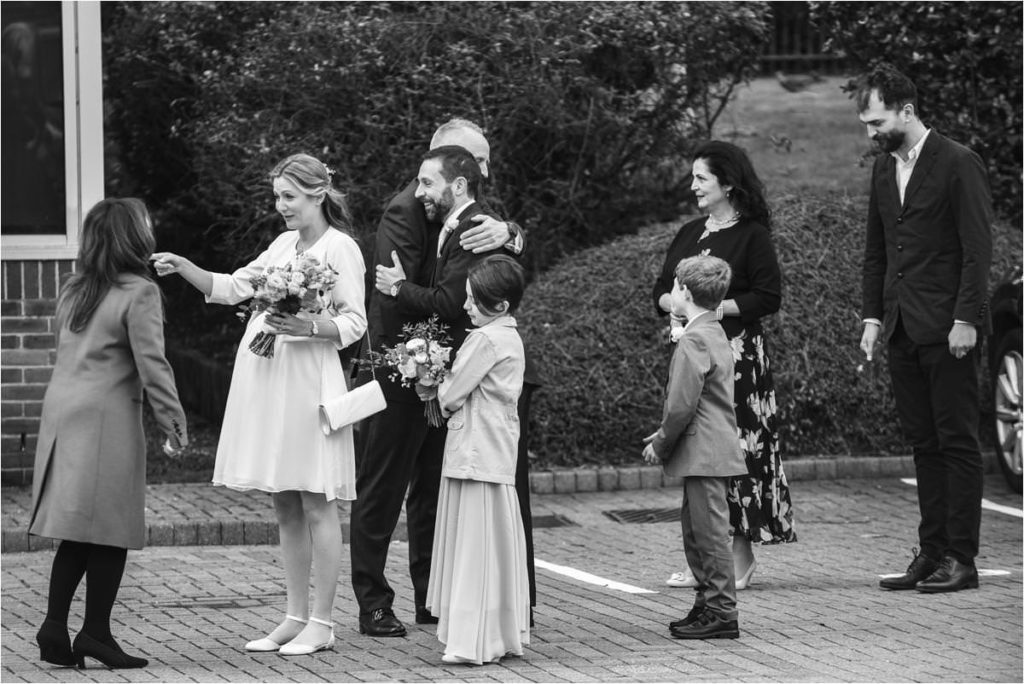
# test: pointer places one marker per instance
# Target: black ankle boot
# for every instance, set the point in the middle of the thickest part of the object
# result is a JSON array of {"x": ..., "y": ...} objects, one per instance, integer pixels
[
  {"x": 55, "y": 644},
  {"x": 106, "y": 651}
]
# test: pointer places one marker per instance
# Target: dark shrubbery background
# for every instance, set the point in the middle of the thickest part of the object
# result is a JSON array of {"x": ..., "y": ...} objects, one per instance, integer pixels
[
  {"x": 589, "y": 107},
  {"x": 964, "y": 58},
  {"x": 592, "y": 321}
]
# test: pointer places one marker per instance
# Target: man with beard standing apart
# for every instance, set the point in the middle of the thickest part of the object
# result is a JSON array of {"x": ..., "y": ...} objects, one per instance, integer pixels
[
  {"x": 401, "y": 451},
  {"x": 926, "y": 263}
]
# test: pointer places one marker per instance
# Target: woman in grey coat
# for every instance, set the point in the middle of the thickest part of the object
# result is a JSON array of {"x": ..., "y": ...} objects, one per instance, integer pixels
[{"x": 90, "y": 469}]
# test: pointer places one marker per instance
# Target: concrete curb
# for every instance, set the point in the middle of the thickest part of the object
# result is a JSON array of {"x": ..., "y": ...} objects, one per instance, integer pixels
[{"x": 559, "y": 481}]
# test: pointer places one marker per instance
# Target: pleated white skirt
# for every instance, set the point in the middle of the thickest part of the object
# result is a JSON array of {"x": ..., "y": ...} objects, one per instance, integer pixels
[{"x": 479, "y": 589}]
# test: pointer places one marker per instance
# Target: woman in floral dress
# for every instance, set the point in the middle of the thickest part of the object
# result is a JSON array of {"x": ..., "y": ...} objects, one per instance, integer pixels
[{"x": 736, "y": 229}]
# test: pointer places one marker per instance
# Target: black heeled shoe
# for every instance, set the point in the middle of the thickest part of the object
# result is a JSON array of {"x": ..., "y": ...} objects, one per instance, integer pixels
[
  {"x": 55, "y": 644},
  {"x": 107, "y": 652}
]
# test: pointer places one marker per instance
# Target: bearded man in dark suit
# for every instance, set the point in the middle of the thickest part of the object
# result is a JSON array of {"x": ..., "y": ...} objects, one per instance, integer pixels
[
  {"x": 401, "y": 455},
  {"x": 926, "y": 264}
]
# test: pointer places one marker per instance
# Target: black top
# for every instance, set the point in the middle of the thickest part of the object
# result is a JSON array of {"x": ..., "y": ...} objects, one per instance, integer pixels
[{"x": 756, "y": 279}]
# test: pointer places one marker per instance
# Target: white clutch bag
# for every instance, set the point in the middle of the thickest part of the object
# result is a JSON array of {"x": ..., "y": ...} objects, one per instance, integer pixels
[{"x": 352, "y": 407}]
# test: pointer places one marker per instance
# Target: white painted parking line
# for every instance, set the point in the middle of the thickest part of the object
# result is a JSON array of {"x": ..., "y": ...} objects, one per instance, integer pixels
[
  {"x": 985, "y": 503},
  {"x": 590, "y": 579}
]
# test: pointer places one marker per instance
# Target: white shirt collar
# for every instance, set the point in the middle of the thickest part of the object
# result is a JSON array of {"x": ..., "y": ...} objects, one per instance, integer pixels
[
  {"x": 915, "y": 151},
  {"x": 452, "y": 222}
]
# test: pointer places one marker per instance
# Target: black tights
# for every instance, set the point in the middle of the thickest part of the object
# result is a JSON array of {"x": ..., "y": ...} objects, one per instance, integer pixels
[{"x": 103, "y": 568}]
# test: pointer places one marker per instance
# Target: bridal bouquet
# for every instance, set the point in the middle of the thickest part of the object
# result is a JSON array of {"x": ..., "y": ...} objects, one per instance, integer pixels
[
  {"x": 423, "y": 360},
  {"x": 294, "y": 287}
]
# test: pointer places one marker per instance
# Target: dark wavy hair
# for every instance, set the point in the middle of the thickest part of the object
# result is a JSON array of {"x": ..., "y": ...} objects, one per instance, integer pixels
[
  {"x": 117, "y": 238},
  {"x": 894, "y": 88},
  {"x": 731, "y": 166}
]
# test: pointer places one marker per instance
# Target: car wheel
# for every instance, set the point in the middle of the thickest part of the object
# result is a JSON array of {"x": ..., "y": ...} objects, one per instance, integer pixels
[{"x": 1006, "y": 388}]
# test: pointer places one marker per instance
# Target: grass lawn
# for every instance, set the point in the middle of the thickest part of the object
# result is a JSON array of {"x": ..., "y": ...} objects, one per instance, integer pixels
[{"x": 807, "y": 139}]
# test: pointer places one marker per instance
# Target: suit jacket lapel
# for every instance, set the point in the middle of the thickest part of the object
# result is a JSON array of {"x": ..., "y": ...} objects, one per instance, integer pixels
[
  {"x": 923, "y": 167},
  {"x": 470, "y": 209},
  {"x": 884, "y": 184}
]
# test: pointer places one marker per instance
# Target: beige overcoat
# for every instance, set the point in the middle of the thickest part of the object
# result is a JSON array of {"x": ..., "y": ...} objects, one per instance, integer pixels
[{"x": 90, "y": 468}]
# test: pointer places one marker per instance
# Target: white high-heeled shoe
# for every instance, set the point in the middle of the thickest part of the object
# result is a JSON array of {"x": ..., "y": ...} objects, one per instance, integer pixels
[
  {"x": 294, "y": 649},
  {"x": 684, "y": 579},
  {"x": 266, "y": 644},
  {"x": 744, "y": 581}
]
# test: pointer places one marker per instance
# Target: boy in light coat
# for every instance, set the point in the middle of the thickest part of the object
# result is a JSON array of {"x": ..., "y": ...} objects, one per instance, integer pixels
[{"x": 698, "y": 441}]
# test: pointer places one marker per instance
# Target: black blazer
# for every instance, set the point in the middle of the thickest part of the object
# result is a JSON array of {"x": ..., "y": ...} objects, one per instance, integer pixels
[
  {"x": 927, "y": 261},
  {"x": 445, "y": 294}
]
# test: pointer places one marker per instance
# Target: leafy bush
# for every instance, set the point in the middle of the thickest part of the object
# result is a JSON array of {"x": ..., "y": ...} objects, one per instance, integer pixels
[
  {"x": 591, "y": 321},
  {"x": 964, "y": 58},
  {"x": 589, "y": 106}
]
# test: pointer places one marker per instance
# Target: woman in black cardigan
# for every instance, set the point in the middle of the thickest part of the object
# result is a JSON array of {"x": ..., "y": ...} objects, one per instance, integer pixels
[{"x": 736, "y": 229}]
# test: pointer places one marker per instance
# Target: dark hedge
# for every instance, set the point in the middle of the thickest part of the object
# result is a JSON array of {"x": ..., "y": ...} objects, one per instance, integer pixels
[
  {"x": 964, "y": 58},
  {"x": 590, "y": 320},
  {"x": 589, "y": 106}
]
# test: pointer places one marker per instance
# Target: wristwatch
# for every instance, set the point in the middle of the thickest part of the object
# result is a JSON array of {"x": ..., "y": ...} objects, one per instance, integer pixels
[
  {"x": 396, "y": 287},
  {"x": 314, "y": 329}
]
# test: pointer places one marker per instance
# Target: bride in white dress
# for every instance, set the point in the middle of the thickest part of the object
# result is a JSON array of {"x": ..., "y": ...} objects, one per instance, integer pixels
[{"x": 271, "y": 439}]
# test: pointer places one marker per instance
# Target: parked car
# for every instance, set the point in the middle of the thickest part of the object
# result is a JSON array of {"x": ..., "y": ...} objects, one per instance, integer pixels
[{"x": 1005, "y": 368}]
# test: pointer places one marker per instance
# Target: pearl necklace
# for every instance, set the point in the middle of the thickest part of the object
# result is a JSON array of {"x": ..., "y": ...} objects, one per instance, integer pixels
[{"x": 713, "y": 225}]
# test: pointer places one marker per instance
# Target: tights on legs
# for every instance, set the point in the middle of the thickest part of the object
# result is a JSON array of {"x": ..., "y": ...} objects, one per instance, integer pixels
[
  {"x": 69, "y": 565},
  {"x": 103, "y": 568}
]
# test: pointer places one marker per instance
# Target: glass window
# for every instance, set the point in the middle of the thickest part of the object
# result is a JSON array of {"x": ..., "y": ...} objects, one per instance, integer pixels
[{"x": 34, "y": 190}]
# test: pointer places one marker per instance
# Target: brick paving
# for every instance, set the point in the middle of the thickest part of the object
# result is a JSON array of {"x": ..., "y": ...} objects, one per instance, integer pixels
[{"x": 813, "y": 613}]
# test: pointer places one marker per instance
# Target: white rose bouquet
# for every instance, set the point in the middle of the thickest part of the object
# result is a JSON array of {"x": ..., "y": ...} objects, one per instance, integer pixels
[
  {"x": 422, "y": 360},
  {"x": 294, "y": 287}
]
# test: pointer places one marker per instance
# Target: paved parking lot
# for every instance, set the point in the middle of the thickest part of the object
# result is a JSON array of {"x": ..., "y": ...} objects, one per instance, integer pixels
[{"x": 813, "y": 613}]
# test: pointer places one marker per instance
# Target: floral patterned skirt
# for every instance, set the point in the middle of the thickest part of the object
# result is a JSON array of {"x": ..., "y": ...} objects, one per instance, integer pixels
[{"x": 759, "y": 504}]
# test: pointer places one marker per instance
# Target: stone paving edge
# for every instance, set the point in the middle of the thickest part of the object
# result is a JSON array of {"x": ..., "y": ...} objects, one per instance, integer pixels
[{"x": 542, "y": 482}]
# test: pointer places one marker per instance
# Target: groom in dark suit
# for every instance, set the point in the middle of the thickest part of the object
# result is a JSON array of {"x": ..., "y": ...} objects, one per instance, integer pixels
[
  {"x": 400, "y": 455},
  {"x": 926, "y": 264}
]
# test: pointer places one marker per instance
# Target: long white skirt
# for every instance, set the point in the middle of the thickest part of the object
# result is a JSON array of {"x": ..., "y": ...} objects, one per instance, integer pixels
[{"x": 479, "y": 589}]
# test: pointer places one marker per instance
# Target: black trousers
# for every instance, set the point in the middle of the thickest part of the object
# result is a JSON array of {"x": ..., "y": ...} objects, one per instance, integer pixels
[
  {"x": 399, "y": 452},
  {"x": 523, "y": 485},
  {"x": 937, "y": 401}
]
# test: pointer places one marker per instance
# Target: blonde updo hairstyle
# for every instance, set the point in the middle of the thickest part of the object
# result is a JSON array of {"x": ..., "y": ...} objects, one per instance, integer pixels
[{"x": 312, "y": 177}]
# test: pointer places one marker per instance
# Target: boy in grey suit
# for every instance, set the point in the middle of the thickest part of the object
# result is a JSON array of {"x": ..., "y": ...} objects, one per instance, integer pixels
[{"x": 699, "y": 442}]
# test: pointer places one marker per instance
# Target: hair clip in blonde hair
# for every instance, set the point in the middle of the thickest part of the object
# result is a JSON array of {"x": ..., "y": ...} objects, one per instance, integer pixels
[{"x": 329, "y": 170}]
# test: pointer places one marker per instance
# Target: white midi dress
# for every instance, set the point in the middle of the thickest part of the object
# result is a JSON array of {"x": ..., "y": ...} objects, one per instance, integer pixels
[{"x": 271, "y": 438}]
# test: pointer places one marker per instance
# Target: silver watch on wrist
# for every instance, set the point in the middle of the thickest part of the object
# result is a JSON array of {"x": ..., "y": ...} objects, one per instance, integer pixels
[
  {"x": 314, "y": 329},
  {"x": 396, "y": 287}
]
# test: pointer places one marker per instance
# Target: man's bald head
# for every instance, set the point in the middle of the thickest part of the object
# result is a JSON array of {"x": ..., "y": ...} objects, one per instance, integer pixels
[{"x": 467, "y": 135}]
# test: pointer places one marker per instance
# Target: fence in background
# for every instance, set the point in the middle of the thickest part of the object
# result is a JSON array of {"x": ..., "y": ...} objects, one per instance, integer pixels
[{"x": 796, "y": 45}]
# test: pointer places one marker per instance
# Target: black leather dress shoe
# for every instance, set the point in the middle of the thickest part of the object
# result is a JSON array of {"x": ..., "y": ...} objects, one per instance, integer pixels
[
  {"x": 952, "y": 575},
  {"x": 381, "y": 623},
  {"x": 690, "y": 618},
  {"x": 919, "y": 569},
  {"x": 423, "y": 616},
  {"x": 708, "y": 626}
]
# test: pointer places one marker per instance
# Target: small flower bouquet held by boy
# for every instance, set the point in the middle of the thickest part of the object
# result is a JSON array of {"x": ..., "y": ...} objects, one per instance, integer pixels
[
  {"x": 421, "y": 360},
  {"x": 294, "y": 287},
  {"x": 698, "y": 440}
]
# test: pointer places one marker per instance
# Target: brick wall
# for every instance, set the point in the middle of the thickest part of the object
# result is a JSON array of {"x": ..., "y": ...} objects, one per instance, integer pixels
[{"x": 27, "y": 354}]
